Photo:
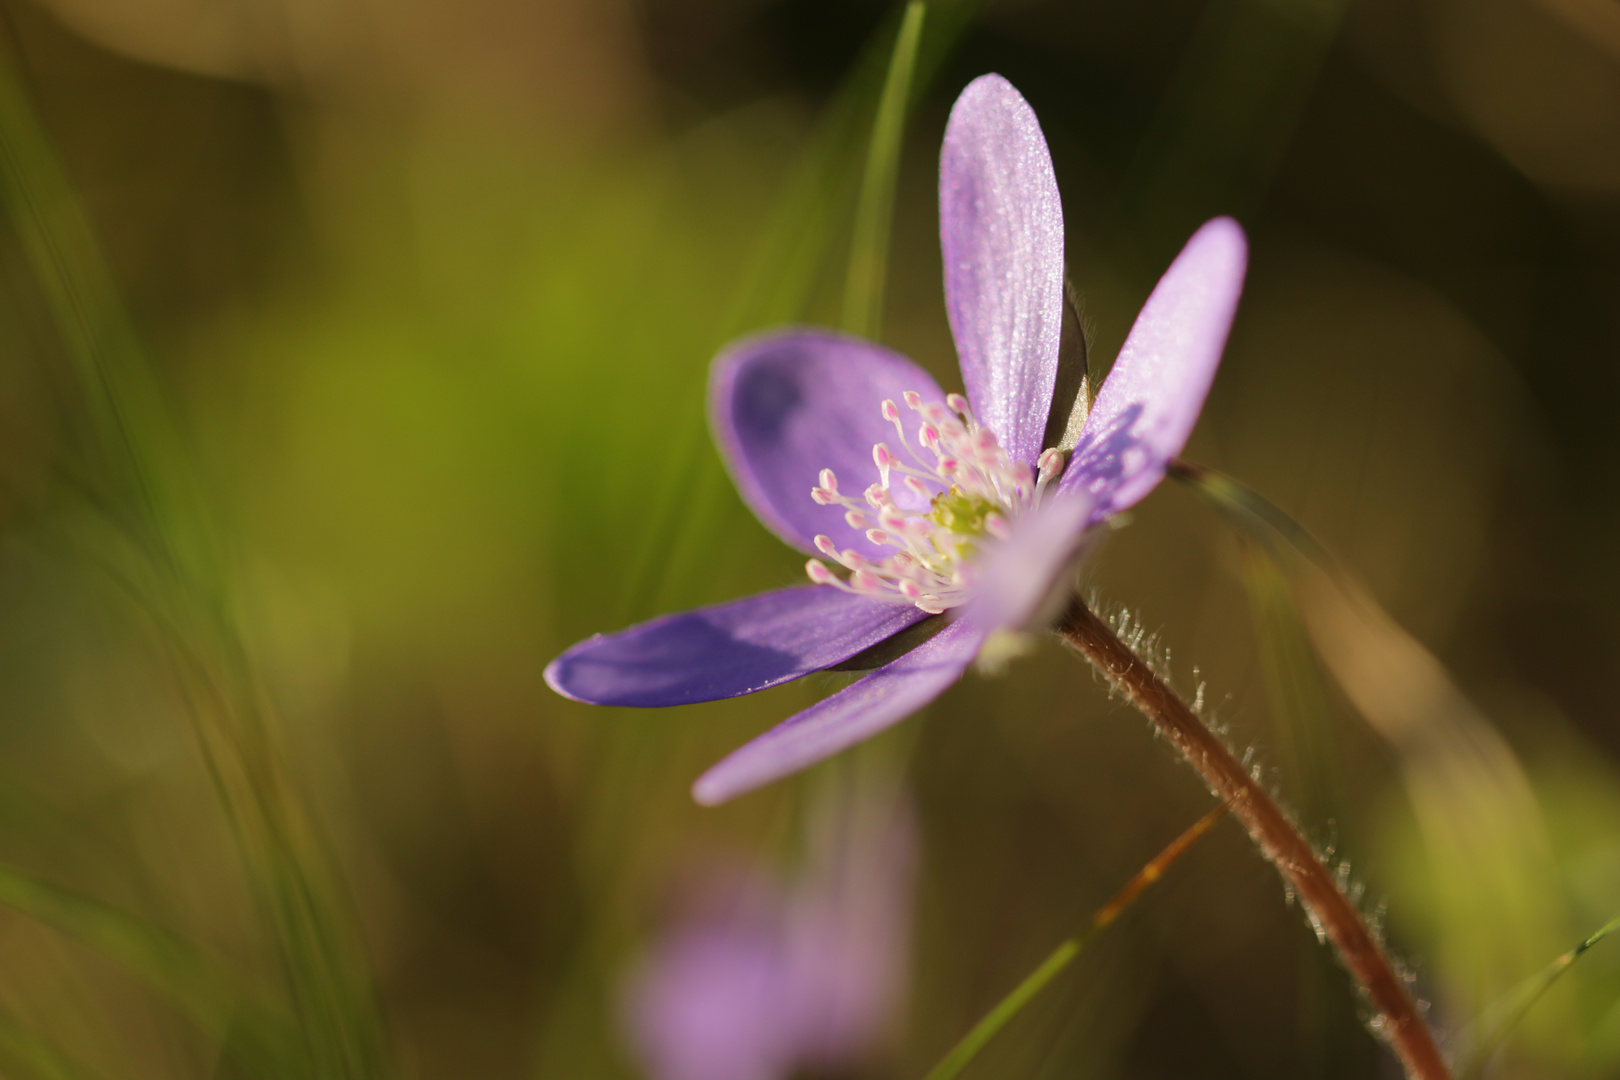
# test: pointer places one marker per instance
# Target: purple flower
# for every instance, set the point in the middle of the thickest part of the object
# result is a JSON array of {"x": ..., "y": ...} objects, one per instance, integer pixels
[
  {"x": 971, "y": 520},
  {"x": 759, "y": 981}
]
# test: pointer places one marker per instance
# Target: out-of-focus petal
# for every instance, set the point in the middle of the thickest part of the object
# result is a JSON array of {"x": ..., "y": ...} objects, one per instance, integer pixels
[
  {"x": 849, "y": 923},
  {"x": 1147, "y": 406},
  {"x": 857, "y": 712},
  {"x": 789, "y": 404},
  {"x": 1001, "y": 231},
  {"x": 733, "y": 648},
  {"x": 715, "y": 1003},
  {"x": 1017, "y": 576}
]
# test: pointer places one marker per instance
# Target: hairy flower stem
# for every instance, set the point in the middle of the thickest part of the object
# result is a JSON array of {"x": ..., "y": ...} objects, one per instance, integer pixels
[{"x": 1279, "y": 840}]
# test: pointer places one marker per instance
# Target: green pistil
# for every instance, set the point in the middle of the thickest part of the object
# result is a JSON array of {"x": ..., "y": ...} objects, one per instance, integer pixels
[{"x": 962, "y": 513}]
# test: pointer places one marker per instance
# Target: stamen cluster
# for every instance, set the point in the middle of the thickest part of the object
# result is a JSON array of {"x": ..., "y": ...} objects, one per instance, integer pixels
[{"x": 947, "y": 508}]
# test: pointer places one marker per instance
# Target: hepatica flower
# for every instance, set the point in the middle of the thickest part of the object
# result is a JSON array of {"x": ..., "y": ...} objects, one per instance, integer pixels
[{"x": 954, "y": 508}]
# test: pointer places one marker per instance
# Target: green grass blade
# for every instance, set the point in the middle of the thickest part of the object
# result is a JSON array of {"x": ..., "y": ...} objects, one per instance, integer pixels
[
  {"x": 1296, "y": 689},
  {"x": 1008, "y": 1007},
  {"x": 1470, "y": 795},
  {"x": 778, "y": 284},
  {"x": 1022, "y": 994},
  {"x": 1501, "y": 1019},
  {"x": 216, "y": 1001},
  {"x": 160, "y": 960},
  {"x": 1262, "y": 520},
  {"x": 27, "y": 1055},
  {"x": 78, "y": 290},
  {"x": 138, "y": 480},
  {"x": 874, "y": 214}
]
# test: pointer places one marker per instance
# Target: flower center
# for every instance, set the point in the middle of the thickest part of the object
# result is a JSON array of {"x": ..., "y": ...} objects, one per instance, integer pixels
[{"x": 937, "y": 514}]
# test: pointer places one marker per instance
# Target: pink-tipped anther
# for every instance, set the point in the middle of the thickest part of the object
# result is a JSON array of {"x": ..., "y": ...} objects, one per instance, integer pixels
[
  {"x": 865, "y": 581},
  {"x": 930, "y": 564}
]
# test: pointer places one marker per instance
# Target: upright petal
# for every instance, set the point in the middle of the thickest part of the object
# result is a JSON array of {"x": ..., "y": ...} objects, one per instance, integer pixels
[
  {"x": 1001, "y": 231},
  {"x": 726, "y": 650},
  {"x": 787, "y": 405},
  {"x": 857, "y": 712},
  {"x": 1148, "y": 404}
]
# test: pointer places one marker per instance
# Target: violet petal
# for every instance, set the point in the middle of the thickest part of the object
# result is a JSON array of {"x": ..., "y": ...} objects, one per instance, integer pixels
[
  {"x": 1148, "y": 404},
  {"x": 733, "y": 648},
  {"x": 878, "y": 701},
  {"x": 789, "y": 404},
  {"x": 1001, "y": 231},
  {"x": 1019, "y": 574}
]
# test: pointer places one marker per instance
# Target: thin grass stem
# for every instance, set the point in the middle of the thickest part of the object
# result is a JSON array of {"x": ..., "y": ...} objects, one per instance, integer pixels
[
  {"x": 869, "y": 245},
  {"x": 1497, "y": 1022},
  {"x": 1008, "y": 1007}
]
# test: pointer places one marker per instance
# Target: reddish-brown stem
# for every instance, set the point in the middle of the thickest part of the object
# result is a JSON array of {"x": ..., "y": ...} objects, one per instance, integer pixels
[{"x": 1278, "y": 839}]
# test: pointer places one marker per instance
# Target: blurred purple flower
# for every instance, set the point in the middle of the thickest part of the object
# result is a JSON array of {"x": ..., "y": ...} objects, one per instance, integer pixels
[
  {"x": 976, "y": 519},
  {"x": 759, "y": 982}
]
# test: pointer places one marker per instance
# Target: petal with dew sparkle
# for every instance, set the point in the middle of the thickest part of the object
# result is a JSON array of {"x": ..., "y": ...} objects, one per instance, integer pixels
[
  {"x": 1148, "y": 404},
  {"x": 726, "y": 650},
  {"x": 855, "y": 713},
  {"x": 789, "y": 404},
  {"x": 1001, "y": 232}
]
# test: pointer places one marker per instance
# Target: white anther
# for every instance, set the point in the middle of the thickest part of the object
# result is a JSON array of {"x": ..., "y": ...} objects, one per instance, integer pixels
[
  {"x": 1050, "y": 462},
  {"x": 912, "y": 399},
  {"x": 928, "y": 436},
  {"x": 919, "y": 488},
  {"x": 865, "y": 581},
  {"x": 891, "y": 411},
  {"x": 877, "y": 536},
  {"x": 825, "y": 545},
  {"x": 829, "y": 481},
  {"x": 823, "y": 497},
  {"x": 819, "y": 573},
  {"x": 885, "y": 460},
  {"x": 856, "y": 519},
  {"x": 958, "y": 404}
]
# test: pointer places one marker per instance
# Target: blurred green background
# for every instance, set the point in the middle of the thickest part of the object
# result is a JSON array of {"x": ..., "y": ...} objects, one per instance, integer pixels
[{"x": 354, "y": 358}]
